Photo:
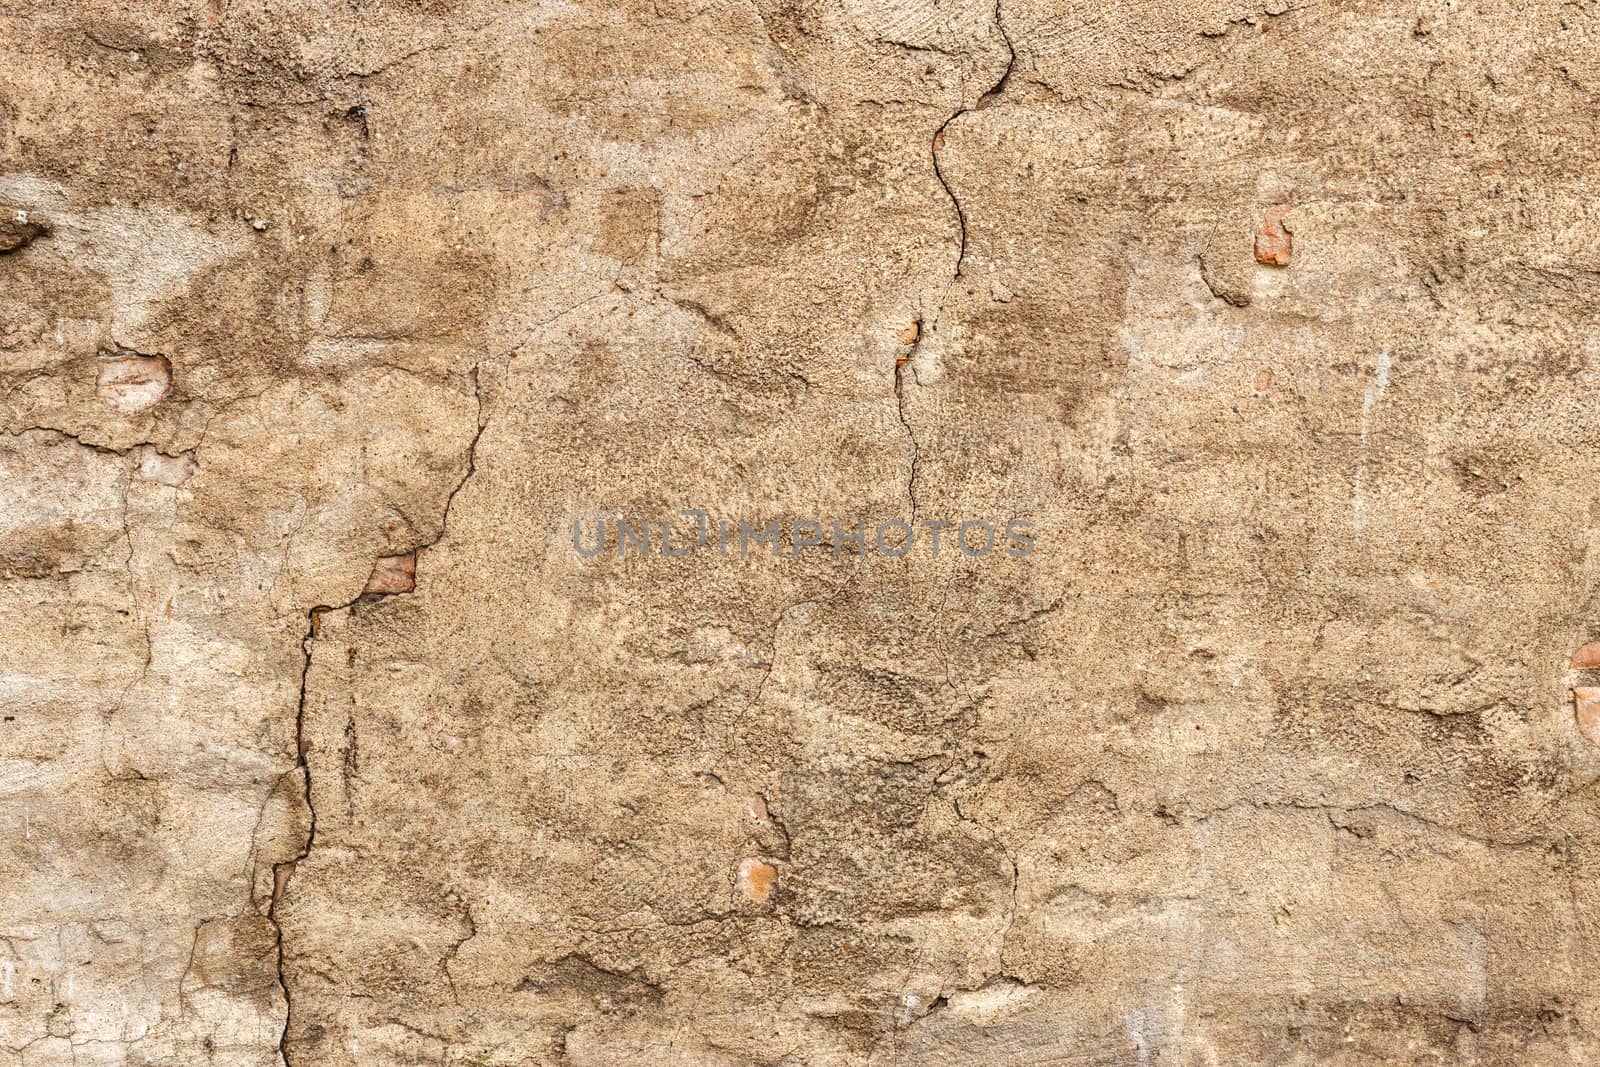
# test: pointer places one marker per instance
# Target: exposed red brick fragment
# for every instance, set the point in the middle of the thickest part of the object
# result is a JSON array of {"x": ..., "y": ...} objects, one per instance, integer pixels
[
  {"x": 1586, "y": 701},
  {"x": 756, "y": 879},
  {"x": 393, "y": 574},
  {"x": 1273, "y": 242},
  {"x": 1586, "y": 658}
]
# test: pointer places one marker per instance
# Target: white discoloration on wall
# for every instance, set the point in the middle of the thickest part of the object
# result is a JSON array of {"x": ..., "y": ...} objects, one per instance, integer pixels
[
  {"x": 1370, "y": 398},
  {"x": 146, "y": 253}
]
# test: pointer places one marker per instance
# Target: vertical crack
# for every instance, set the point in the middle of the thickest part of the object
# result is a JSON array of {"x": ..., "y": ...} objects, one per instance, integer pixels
[
  {"x": 1016, "y": 878},
  {"x": 904, "y": 361},
  {"x": 900, "y": 365},
  {"x": 472, "y": 458},
  {"x": 283, "y": 870},
  {"x": 983, "y": 101}
]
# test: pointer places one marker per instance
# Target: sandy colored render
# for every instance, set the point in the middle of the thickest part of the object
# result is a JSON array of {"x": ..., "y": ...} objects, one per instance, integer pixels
[{"x": 1276, "y": 324}]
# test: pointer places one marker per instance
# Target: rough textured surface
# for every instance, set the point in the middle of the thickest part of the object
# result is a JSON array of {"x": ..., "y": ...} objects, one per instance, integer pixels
[{"x": 321, "y": 323}]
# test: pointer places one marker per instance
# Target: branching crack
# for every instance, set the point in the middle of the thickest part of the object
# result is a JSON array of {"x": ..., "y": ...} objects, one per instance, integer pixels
[
  {"x": 1016, "y": 875},
  {"x": 455, "y": 947},
  {"x": 1531, "y": 841},
  {"x": 998, "y": 977},
  {"x": 92, "y": 446},
  {"x": 144, "y": 623}
]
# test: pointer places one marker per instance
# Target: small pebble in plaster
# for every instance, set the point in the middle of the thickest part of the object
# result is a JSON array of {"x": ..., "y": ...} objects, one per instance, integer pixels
[
  {"x": 1273, "y": 242},
  {"x": 130, "y": 383}
]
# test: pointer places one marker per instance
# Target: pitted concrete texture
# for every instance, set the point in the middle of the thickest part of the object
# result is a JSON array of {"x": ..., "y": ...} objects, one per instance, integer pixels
[{"x": 1276, "y": 328}]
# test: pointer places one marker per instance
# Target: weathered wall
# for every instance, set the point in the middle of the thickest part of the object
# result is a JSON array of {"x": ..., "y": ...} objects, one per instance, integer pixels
[{"x": 320, "y": 324}]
